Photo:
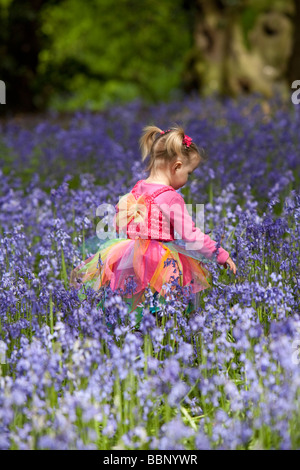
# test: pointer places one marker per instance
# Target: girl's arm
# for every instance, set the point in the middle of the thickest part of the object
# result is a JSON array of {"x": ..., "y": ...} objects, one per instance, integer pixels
[{"x": 185, "y": 227}]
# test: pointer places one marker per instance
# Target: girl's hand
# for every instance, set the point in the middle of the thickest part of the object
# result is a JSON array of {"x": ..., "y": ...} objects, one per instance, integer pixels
[{"x": 229, "y": 263}]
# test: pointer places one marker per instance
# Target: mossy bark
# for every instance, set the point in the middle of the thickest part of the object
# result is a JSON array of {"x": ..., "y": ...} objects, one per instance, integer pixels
[{"x": 241, "y": 47}]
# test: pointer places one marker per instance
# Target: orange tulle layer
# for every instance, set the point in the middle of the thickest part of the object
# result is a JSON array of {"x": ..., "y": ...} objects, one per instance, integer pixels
[{"x": 144, "y": 261}]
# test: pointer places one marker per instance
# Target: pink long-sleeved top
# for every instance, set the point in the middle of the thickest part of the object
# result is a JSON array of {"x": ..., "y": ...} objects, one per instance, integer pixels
[{"x": 181, "y": 221}]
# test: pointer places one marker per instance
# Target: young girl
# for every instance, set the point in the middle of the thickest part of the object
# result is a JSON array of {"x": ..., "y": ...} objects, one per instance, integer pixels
[{"x": 148, "y": 218}]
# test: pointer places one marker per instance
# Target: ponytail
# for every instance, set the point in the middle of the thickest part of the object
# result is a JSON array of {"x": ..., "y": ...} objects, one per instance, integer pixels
[
  {"x": 147, "y": 139},
  {"x": 166, "y": 145}
]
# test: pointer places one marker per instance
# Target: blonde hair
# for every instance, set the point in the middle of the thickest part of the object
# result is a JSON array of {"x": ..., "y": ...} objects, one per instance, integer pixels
[{"x": 166, "y": 145}]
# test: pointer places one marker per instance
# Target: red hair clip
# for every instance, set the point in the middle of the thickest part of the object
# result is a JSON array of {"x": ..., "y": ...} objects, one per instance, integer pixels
[{"x": 187, "y": 141}]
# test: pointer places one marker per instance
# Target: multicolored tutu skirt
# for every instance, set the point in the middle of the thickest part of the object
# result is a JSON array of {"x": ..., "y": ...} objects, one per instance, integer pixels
[{"x": 144, "y": 262}]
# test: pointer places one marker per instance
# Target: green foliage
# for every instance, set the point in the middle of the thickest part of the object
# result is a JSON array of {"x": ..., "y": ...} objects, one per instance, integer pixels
[
  {"x": 73, "y": 54},
  {"x": 103, "y": 51}
]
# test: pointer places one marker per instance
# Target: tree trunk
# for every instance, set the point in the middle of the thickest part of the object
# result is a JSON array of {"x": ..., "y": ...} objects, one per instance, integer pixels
[
  {"x": 293, "y": 71},
  {"x": 228, "y": 60}
]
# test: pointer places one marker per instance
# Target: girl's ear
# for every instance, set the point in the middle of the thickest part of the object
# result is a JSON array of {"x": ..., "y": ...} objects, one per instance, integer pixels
[{"x": 177, "y": 165}]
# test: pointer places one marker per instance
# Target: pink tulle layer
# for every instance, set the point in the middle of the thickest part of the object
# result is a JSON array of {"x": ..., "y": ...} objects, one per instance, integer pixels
[{"x": 144, "y": 261}]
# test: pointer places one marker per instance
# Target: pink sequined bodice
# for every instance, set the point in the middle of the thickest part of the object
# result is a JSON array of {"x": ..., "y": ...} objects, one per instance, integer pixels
[
  {"x": 157, "y": 226},
  {"x": 163, "y": 212}
]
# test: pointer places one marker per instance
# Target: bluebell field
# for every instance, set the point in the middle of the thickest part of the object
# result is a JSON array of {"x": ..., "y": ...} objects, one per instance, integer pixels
[{"x": 75, "y": 372}]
